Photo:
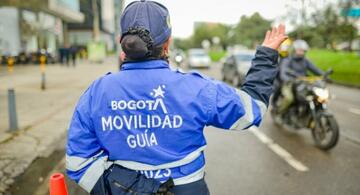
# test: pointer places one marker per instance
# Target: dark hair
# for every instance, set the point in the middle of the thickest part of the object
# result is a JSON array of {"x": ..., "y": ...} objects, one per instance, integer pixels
[{"x": 138, "y": 45}]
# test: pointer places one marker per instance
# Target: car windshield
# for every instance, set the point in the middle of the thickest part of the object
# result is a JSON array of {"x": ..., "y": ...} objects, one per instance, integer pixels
[
  {"x": 198, "y": 54},
  {"x": 244, "y": 57}
]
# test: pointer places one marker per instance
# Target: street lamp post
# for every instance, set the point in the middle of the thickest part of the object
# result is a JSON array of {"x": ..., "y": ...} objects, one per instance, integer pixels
[{"x": 96, "y": 25}]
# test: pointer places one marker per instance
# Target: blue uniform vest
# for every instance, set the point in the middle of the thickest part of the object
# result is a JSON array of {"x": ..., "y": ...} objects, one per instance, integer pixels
[{"x": 150, "y": 118}]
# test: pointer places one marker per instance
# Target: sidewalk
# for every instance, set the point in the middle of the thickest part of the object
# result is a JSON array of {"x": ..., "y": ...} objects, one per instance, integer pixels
[{"x": 43, "y": 116}]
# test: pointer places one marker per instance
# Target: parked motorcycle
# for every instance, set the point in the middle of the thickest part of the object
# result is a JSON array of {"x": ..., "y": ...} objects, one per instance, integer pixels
[
  {"x": 309, "y": 110},
  {"x": 22, "y": 58}
]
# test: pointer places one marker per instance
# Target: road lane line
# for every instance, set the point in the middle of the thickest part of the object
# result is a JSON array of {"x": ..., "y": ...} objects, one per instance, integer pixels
[
  {"x": 277, "y": 149},
  {"x": 354, "y": 111}
]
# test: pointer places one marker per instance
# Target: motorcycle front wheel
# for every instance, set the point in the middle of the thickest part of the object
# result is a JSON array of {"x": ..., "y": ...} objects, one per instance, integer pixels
[{"x": 326, "y": 132}]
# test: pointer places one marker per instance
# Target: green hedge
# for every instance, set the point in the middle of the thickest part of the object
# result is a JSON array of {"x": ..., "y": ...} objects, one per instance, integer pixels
[{"x": 346, "y": 65}]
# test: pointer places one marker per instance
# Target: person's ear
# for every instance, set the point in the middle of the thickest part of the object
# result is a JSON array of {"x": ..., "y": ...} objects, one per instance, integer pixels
[
  {"x": 122, "y": 56},
  {"x": 166, "y": 46}
]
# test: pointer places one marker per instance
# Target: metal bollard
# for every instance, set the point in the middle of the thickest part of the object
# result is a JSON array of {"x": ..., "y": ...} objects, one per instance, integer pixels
[
  {"x": 10, "y": 63},
  {"x": 13, "y": 122},
  {"x": 43, "y": 81},
  {"x": 42, "y": 69}
]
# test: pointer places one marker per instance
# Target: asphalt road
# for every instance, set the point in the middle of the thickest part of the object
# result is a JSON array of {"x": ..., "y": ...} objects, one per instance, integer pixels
[
  {"x": 257, "y": 161},
  {"x": 269, "y": 160}
]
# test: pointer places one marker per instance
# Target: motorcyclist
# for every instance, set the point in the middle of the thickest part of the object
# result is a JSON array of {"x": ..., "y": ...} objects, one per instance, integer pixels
[
  {"x": 178, "y": 57},
  {"x": 140, "y": 131},
  {"x": 284, "y": 51},
  {"x": 297, "y": 65}
]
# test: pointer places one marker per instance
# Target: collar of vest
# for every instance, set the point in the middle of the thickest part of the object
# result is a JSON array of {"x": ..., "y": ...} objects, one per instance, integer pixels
[{"x": 149, "y": 64}]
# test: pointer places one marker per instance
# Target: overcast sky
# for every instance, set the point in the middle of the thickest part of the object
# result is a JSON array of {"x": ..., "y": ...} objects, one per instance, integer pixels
[{"x": 184, "y": 13}]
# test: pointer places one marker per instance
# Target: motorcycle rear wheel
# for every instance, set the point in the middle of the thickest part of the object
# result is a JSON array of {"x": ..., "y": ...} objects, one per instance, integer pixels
[{"x": 326, "y": 125}]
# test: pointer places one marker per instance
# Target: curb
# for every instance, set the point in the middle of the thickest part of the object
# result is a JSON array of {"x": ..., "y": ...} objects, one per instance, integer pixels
[
  {"x": 18, "y": 152},
  {"x": 14, "y": 167}
]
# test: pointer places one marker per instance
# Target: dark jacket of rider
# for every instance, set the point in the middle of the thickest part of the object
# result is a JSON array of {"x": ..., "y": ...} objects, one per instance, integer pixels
[{"x": 292, "y": 68}]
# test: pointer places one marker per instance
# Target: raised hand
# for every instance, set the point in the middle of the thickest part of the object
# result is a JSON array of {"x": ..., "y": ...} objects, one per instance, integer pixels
[{"x": 275, "y": 37}]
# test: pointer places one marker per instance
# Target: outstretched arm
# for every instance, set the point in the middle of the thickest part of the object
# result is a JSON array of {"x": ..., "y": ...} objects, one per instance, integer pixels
[
  {"x": 310, "y": 66},
  {"x": 240, "y": 109},
  {"x": 259, "y": 80}
]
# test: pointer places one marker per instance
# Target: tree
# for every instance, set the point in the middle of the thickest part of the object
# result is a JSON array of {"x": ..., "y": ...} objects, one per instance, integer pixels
[
  {"x": 183, "y": 44},
  {"x": 348, "y": 31},
  {"x": 309, "y": 34},
  {"x": 250, "y": 30},
  {"x": 327, "y": 26},
  {"x": 206, "y": 31}
]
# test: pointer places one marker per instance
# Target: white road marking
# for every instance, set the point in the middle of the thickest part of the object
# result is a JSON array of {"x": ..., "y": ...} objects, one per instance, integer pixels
[
  {"x": 354, "y": 110},
  {"x": 281, "y": 152}
]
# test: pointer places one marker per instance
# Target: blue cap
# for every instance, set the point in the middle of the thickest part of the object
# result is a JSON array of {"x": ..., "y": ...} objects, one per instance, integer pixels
[{"x": 149, "y": 15}]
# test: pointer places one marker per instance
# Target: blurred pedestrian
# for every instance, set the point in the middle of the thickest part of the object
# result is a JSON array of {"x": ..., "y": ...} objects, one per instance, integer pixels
[
  {"x": 67, "y": 55},
  {"x": 73, "y": 53},
  {"x": 61, "y": 55},
  {"x": 64, "y": 53}
]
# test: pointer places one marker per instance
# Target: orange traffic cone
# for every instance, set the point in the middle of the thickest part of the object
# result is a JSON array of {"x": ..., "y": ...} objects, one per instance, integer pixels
[{"x": 57, "y": 184}]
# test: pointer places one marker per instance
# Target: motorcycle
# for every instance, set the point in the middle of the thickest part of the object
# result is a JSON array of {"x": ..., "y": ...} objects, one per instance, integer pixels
[
  {"x": 179, "y": 59},
  {"x": 309, "y": 110}
]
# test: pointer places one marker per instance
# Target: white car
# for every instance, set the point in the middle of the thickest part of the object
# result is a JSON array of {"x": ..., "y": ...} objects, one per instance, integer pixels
[{"x": 198, "y": 58}]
